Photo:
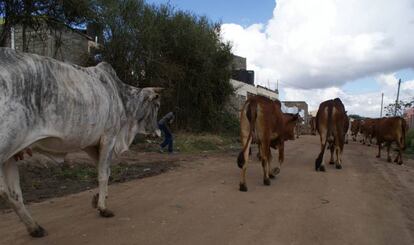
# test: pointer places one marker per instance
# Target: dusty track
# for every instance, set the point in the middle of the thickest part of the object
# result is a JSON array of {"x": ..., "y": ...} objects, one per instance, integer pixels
[{"x": 369, "y": 201}]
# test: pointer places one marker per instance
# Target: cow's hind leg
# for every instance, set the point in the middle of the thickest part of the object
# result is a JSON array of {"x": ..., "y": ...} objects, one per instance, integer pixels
[
  {"x": 11, "y": 191},
  {"x": 265, "y": 155},
  {"x": 332, "y": 149},
  {"x": 104, "y": 170},
  {"x": 399, "y": 159},
  {"x": 338, "y": 163},
  {"x": 276, "y": 170},
  {"x": 243, "y": 161},
  {"x": 319, "y": 162}
]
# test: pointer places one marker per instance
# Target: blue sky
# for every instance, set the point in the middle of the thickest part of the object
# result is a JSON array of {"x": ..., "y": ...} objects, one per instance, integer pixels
[
  {"x": 354, "y": 55},
  {"x": 242, "y": 12}
]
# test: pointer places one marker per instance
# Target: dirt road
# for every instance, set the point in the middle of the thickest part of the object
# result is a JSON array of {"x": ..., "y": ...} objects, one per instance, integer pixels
[{"x": 369, "y": 201}]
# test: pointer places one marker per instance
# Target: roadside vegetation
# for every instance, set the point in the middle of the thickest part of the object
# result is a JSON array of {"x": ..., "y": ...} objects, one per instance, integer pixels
[{"x": 410, "y": 143}]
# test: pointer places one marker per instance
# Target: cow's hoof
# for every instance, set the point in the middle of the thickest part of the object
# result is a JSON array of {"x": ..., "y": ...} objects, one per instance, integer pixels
[
  {"x": 275, "y": 171},
  {"x": 38, "y": 232},
  {"x": 377, "y": 156},
  {"x": 400, "y": 163},
  {"x": 338, "y": 166},
  {"x": 106, "y": 213},
  {"x": 95, "y": 199},
  {"x": 272, "y": 176},
  {"x": 266, "y": 181},
  {"x": 388, "y": 159},
  {"x": 322, "y": 168},
  {"x": 331, "y": 162},
  {"x": 242, "y": 187}
]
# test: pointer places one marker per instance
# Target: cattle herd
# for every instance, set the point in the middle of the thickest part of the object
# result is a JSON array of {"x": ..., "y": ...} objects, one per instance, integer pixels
[
  {"x": 57, "y": 108},
  {"x": 263, "y": 122}
]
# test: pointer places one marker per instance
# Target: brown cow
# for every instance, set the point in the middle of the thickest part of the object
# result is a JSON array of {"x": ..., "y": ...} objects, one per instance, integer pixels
[
  {"x": 288, "y": 133},
  {"x": 355, "y": 127},
  {"x": 331, "y": 121},
  {"x": 262, "y": 119},
  {"x": 346, "y": 128},
  {"x": 298, "y": 126},
  {"x": 367, "y": 131},
  {"x": 312, "y": 123},
  {"x": 389, "y": 130}
]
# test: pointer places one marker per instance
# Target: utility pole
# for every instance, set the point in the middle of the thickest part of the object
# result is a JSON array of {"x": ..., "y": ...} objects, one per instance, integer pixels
[
  {"x": 382, "y": 103},
  {"x": 398, "y": 96},
  {"x": 12, "y": 39}
]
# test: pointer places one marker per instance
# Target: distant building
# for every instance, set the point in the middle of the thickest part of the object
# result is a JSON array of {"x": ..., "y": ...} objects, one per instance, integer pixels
[
  {"x": 64, "y": 43},
  {"x": 301, "y": 105},
  {"x": 243, "y": 84},
  {"x": 409, "y": 117},
  {"x": 240, "y": 72},
  {"x": 239, "y": 63}
]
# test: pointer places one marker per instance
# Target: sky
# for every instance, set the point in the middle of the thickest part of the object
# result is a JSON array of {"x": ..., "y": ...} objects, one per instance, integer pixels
[{"x": 321, "y": 49}]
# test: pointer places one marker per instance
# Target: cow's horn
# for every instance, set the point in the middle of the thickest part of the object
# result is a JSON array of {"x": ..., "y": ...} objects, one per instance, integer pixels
[{"x": 157, "y": 89}]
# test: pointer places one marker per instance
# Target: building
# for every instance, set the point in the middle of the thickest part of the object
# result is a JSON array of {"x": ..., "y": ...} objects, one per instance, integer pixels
[
  {"x": 239, "y": 63},
  {"x": 243, "y": 84},
  {"x": 301, "y": 105},
  {"x": 64, "y": 43},
  {"x": 409, "y": 117},
  {"x": 240, "y": 72}
]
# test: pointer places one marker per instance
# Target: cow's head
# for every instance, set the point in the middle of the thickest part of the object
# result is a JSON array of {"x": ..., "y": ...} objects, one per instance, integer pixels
[
  {"x": 147, "y": 102},
  {"x": 289, "y": 124}
]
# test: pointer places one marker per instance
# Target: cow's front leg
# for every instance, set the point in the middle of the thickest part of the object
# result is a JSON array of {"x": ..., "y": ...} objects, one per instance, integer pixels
[
  {"x": 11, "y": 191},
  {"x": 388, "y": 152},
  {"x": 379, "y": 149},
  {"x": 104, "y": 170}
]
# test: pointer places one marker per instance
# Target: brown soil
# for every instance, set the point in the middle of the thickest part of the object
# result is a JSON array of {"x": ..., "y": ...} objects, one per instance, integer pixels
[{"x": 369, "y": 201}]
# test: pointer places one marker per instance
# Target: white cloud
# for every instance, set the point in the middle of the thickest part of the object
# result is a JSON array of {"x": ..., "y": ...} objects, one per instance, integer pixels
[
  {"x": 365, "y": 104},
  {"x": 324, "y": 43},
  {"x": 315, "y": 47}
]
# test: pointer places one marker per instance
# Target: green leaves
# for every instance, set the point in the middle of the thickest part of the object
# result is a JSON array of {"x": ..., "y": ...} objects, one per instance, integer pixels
[{"x": 153, "y": 45}]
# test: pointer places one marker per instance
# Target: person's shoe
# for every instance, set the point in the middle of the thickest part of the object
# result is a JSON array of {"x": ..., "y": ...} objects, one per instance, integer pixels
[{"x": 161, "y": 150}]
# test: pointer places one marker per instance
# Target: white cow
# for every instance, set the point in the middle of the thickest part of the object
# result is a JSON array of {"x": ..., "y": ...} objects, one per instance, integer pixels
[{"x": 61, "y": 108}]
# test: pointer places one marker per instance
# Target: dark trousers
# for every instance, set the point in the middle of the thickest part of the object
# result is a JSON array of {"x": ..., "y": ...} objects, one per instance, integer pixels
[{"x": 168, "y": 139}]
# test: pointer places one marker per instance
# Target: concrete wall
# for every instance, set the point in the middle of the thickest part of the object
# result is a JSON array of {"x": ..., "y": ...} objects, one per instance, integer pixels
[
  {"x": 244, "y": 90},
  {"x": 66, "y": 45},
  {"x": 239, "y": 63},
  {"x": 299, "y": 104}
]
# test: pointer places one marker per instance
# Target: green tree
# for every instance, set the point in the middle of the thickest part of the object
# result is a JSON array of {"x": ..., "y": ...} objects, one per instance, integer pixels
[
  {"x": 151, "y": 45},
  {"x": 401, "y": 106}
]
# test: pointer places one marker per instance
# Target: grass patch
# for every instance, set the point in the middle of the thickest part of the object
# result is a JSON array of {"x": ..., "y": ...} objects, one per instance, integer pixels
[{"x": 192, "y": 143}]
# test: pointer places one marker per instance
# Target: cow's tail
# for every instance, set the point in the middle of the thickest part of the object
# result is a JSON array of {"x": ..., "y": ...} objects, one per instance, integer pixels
[
  {"x": 403, "y": 130},
  {"x": 251, "y": 117},
  {"x": 318, "y": 161}
]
